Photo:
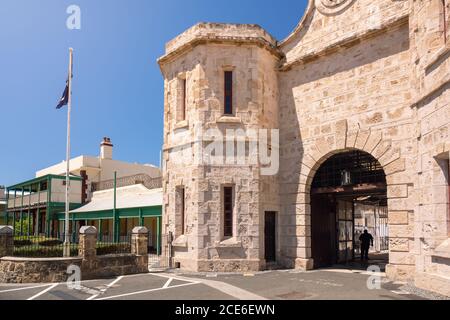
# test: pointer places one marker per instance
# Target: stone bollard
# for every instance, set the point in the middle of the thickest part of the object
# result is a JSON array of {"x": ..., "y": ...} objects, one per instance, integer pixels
[
  {"x": 139, "y": 241},
  {"x": 88, "y": 243},
  {"x": 6, "y": 241}
]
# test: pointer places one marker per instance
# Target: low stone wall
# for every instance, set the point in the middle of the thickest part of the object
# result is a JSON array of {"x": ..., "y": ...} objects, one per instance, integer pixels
[
  {"x": 114, "y": 265},
  {"x": 50, "y": 270},
  {"x": 34, "y": 270}
]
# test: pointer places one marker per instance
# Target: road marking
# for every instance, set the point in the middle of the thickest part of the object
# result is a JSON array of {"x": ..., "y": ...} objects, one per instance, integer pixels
[
  {"x": 102, "y": 291},
  {"x": 224, "y": 287},
  {"x": 400, "y": 292},
  {"x": 166, "y": 285},
  {"x": 43, "y": 291},
  {"x": 146, "y": 291},
  {"x": 24, "y": 288}
]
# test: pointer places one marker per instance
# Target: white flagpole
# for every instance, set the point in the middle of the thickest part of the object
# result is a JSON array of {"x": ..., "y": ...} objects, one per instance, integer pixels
[{"x": 69, "y": 106}]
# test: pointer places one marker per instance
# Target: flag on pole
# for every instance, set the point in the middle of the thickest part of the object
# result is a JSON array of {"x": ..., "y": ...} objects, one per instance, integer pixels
[{"x": 65, "y": 97}]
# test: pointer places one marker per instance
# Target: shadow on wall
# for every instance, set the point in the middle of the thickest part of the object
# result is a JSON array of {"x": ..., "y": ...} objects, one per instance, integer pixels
[
  {"x": 292, "y": 150},
  {"x": 370, "y": 50}
]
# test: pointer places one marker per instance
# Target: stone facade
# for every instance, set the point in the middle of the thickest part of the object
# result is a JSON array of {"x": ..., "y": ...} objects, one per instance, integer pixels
[{"x": 354, "y": 75}]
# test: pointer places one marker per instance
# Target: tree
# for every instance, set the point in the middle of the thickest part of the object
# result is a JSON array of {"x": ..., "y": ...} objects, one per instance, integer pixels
[{"x": 26, "y": 223}]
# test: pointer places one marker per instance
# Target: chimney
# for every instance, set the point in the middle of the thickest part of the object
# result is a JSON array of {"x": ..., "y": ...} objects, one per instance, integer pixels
[{"x": 106, "y": 149}]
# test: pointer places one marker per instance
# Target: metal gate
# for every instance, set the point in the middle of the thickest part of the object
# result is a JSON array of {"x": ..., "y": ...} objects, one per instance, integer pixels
[
  {"x": 376, "y": 223},
  {"x": 159, "y": 252}
]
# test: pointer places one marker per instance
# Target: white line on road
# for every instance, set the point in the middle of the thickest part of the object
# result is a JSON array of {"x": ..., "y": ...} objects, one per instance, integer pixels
[
  {"x": 224, "y": 287},
  {"x": 107, "y": 287},
  {"x": 146, "y": 291},
  {"x": 24, "y": 288},
  {"x": 167, "y": 284},
  {"x": 43, "y": 291},
  {"x": 400, "y": 292}
]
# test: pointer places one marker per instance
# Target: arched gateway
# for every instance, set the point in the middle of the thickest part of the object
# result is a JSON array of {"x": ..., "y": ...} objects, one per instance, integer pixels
[{"x": 348, "y": 195}]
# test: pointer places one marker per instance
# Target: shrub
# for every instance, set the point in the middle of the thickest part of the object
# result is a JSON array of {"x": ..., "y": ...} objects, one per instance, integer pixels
[
  {"x": 22, "y": 243},
  {"x": 50, "y": 243},
  {"x": 112, "y": 248}
]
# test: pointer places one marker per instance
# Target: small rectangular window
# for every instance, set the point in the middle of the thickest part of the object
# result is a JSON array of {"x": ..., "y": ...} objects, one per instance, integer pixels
[
  {"x": 228, "y": 211},
  {"x": 184, "y": 98},
  {"x": 228, "y": 103},
  {"x": 180, "y": 203},
  {"x": 183, "y": 210}
]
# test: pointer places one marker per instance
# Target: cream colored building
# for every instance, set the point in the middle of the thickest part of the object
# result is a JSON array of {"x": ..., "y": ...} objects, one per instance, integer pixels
[
  {"x": 43, "y": 198},
  {"x": 361, "y": 86},
  {"x": 101, "y": 168}
]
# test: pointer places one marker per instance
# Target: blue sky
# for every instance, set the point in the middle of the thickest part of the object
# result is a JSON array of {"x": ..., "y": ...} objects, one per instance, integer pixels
[{"x": 117, "y": 86}]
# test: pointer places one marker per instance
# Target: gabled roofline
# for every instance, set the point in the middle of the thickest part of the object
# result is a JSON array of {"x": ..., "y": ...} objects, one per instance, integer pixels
[{"x": 300, "y": 25}]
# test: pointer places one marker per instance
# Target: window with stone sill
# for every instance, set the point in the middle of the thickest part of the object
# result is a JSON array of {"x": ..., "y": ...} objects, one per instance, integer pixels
[
  {"x": 228, "y": 93},
  {"x": 228, "y": 211},
  {"x": 182, "y": 99},
  {"x": 180, "y": 207}
]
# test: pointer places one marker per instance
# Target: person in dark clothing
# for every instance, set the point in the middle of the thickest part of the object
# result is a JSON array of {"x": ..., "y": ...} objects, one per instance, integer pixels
[{"x": 366, "y": 241}]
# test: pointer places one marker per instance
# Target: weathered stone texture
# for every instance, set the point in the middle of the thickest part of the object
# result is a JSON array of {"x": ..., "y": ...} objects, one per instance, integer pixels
[{"x": 367, "y": 75}]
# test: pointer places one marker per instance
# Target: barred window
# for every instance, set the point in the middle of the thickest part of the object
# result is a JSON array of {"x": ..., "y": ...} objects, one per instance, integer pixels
[
  {"x": 228, "y": 211},
  {"x": 228, "y": 103}
]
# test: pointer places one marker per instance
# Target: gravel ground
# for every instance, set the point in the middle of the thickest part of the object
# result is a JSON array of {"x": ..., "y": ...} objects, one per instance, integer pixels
[{"x": 409, "y": 287}]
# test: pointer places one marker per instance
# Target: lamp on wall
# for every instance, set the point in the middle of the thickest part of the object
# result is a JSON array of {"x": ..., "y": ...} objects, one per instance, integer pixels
[{"x": 346, "y": 178}]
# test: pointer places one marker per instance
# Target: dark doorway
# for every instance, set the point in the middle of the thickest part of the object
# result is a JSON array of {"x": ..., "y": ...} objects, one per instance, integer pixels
[
  {"x": 323, "y": 240},
  {"x": 344, "y": 182},
  {"x": 270, "y": 236}
]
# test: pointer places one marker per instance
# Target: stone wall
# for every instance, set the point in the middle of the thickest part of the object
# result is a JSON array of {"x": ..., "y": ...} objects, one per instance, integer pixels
[
  {"x": 354, "y": 75},
  {"x": 48, "y": 270},
  {"x": 34, "y": 270},
  {"x": 431, "y": 106},
  {"x": 357, "y": 98}
]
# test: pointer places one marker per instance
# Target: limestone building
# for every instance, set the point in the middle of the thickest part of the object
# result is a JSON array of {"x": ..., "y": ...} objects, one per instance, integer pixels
[{"x": 359, "y": 92}]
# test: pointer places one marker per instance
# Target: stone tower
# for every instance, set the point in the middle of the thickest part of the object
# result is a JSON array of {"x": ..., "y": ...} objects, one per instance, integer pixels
[{"x": 203, "y": 67}]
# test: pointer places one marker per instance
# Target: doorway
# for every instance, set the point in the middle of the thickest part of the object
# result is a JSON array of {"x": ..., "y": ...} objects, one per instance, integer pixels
[
  {"x": 346, "y": 191},
  {"x": 270, "y": 236}
]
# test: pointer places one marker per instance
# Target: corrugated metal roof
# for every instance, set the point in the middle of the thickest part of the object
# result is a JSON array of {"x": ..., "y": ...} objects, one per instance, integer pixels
[{"x": 136, "y": 196}]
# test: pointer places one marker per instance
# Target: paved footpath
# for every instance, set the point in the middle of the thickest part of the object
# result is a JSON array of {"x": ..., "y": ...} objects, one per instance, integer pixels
[{"x": 273, "y": 285}]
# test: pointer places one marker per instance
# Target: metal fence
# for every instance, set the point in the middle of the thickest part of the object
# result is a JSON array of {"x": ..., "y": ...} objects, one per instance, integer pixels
[
  {"x": 42, "y": 246},
  {"x": 159, "y": 258},
  {"x": 107, "y": 245},
  {"x": 146, "y": 180}
]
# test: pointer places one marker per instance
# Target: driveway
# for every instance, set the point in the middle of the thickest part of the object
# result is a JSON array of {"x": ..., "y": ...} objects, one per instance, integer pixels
[{"x": 273, "y": 285}]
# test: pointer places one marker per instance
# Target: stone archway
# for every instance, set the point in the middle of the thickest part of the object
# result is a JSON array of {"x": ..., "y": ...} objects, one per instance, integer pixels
[
  {"x": 399, "y": 189},
  {"x": 348, "y": 195}
]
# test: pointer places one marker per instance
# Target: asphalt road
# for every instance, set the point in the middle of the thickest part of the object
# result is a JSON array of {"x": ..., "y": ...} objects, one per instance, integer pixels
[{"x": 274, "y": 285}]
